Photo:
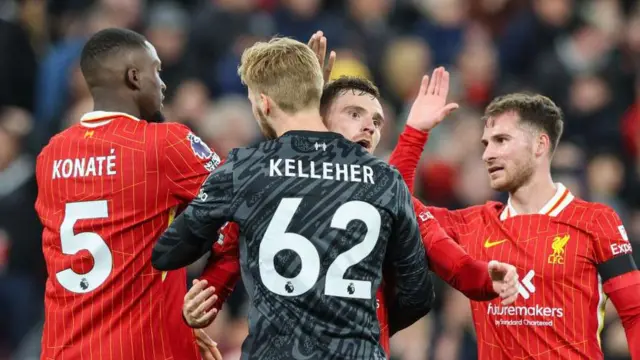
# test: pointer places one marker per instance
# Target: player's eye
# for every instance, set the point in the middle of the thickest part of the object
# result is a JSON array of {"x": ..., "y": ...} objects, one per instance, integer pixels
[
  {"x": 377, "y": 123},
  {"x": 355, "y": 114}
]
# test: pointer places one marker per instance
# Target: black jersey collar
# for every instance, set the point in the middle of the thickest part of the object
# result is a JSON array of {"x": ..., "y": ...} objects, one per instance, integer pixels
[{"x": 314, "y": 134}]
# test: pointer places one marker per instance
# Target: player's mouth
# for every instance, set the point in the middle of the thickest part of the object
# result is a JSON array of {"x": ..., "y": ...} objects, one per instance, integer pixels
[
  {"x": 364, "y": 143},
  {"x": 494, "y": 169}
]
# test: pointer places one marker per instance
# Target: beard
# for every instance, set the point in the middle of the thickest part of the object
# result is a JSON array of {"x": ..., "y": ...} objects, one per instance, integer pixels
[
  {"x": 521, "y": 175},
  {"x": 267, "y": 130}
]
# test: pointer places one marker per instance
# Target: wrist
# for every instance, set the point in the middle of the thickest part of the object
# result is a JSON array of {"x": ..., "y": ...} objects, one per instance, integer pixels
[
  {"x": 412, "y": 127},
  {"x": 414, "y": 135}
]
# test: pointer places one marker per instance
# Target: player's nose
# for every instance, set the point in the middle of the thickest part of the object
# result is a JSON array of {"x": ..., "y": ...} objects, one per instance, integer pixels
[
  {"x": 368, "y": 126},
  {"x": 488, "y": 154}
]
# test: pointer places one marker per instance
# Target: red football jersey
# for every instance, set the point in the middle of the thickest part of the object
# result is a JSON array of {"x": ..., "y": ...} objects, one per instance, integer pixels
[
  {"x": 567, "y": 256},
  {"x": 107, "y": 189},
  {"x": 560, "y": 312}
]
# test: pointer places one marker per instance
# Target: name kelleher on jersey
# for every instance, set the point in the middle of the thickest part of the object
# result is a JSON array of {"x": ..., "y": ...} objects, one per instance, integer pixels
[{"x": 327, "y": 171}]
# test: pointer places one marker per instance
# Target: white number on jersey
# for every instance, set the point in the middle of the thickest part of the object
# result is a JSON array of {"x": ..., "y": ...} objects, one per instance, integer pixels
[
  {"x": 72, "y": 243},
  {"x": 277, "y": 239}
]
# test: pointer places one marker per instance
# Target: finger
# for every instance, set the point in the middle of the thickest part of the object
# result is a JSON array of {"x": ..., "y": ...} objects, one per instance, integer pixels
[
  {"x": 205, "y": 305},
  {"x": 424, "y": 85},
  {"x": 432, "y": 84},
  {"x": 448, "y": 109},
  {"x": 206, "y": 319},
  {"x": 311, "y": 39},
  {"x": 329, "y": 67},
  {"x": 197, "y": 287},
  {"x": 436, "y": 89},
  {"x": 191, "y": 305},
  {"x": 216, "y": 353},
  {"x": 444, "y": 85},
  {"x": 493, "y": 265},
  {"x": 322, "y": 50},
  {"x": 203, "y": 337},
  {"x": 510, "y": 300},
  {"x": 511, "y": 276},
  {"x": 206, "y": 354},
  {"x": 203, "y": 297}
]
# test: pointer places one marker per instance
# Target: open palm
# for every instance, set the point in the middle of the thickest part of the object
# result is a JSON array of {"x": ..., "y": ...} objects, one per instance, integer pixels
[{"x": 430, "y": 106}]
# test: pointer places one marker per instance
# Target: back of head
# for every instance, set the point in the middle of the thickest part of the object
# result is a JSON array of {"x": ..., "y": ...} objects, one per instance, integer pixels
[
  {"x": 105, "y": 46},
  {"x": 285, "y": 70},
  {"x": 534, "y": 110}
]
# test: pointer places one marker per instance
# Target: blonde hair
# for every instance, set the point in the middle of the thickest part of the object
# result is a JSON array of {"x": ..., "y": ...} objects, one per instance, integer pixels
[{"x": 284, "y": 69}]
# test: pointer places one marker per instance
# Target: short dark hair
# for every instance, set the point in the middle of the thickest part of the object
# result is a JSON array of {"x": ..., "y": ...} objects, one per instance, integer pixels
[
  {"x": 533, "y": 109},
  {"x": 105, "y": 43},
  {"x": 343, "y": 84}
]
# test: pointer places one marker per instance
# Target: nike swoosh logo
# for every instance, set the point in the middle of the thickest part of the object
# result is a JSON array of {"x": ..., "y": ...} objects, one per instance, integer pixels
[{"x": 488, "y": 243}]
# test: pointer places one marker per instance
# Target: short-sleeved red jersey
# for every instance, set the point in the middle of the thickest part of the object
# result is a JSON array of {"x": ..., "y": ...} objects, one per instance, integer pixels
[
  {"x": 570, "y": 257},
  {"x": 107, "y": 189},
  {"x": 560, "y": 312}
]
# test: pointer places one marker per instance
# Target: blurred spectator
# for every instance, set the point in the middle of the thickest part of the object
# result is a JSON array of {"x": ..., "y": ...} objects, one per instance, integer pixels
[{"x": 22, "y": 270}]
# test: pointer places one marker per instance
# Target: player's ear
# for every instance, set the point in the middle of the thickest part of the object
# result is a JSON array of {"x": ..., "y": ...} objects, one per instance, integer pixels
[
  {"x": 542, "y": 145},
  {"x": 132, "y": 78},
  {"x": 265, "y": 104}
]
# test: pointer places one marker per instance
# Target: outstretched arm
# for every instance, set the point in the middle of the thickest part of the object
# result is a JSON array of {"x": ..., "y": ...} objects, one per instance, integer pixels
[
  {"x": 428, "y": 110},
  {"x": 476, "y": 279},
  {"x": 191, "y": 234}
]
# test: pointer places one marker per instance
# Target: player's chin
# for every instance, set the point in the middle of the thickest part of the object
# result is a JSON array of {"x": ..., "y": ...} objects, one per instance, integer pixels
[{"x": 499, "y": 184}]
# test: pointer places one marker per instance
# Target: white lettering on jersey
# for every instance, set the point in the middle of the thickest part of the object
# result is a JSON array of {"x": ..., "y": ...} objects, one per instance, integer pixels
[
  {"x": 85, "y": 167},
  {"x": 328, "y": 171},
  {"x": 623, "y": 233}
]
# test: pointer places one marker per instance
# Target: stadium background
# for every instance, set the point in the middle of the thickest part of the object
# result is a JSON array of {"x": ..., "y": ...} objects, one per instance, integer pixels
[{"x": 585, "y": 55}]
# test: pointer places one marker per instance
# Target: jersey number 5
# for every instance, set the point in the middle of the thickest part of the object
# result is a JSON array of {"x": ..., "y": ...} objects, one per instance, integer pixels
[
  {"x": 72, "y": 243},
  {"x": 276, "y": 239}
]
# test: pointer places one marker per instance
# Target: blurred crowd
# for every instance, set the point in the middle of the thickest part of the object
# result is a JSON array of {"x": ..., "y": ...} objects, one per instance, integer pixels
[{"x": 585, "y": 55}]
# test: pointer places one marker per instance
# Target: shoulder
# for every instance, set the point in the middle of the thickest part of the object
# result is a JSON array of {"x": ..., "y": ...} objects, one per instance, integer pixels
[
  {"x": 582, "y": 210},
  {"x": 59, "y": 139},
  {"x": 168, "y": 129},
  {"x": 599, "y": 219},
  {"x": 490, "y": 209}
]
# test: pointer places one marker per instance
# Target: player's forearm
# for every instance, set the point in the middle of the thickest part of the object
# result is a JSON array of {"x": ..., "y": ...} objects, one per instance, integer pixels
[
  {"x": 623, "y": 291},
  {"x": 401, "y": 317},
  {"x": 406, "y": 155},
  {"x": 413, "y": 299},
  {"x": 464, "y": 274},
  {"x": 178, "y": 246},
  {"x": 223, "y": 274},
  {"x": 451, "y": 263}
]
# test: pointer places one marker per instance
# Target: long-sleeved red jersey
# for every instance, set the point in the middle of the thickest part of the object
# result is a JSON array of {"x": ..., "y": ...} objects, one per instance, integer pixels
[
  {"x": 107, "y": 189},
  {"x": 570, "y": 256},
  {"x": 446, "y": 258}
]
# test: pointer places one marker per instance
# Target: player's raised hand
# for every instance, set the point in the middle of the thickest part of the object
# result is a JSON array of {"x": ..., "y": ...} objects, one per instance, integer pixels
[
  {"x": 430, "y": 106},
  {"x": 505, "y": 281},
  {"x": 197, "y": 308},
  {"x": 208, "y": 347},
  {"x": 318, "y": 43}
]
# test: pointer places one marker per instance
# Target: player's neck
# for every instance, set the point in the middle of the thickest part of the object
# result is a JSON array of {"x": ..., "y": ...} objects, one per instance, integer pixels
[
  {"x": 534, "y": 195},
  {"x": 110, "y": 101},
  {"x": 308, "y": 120}
]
